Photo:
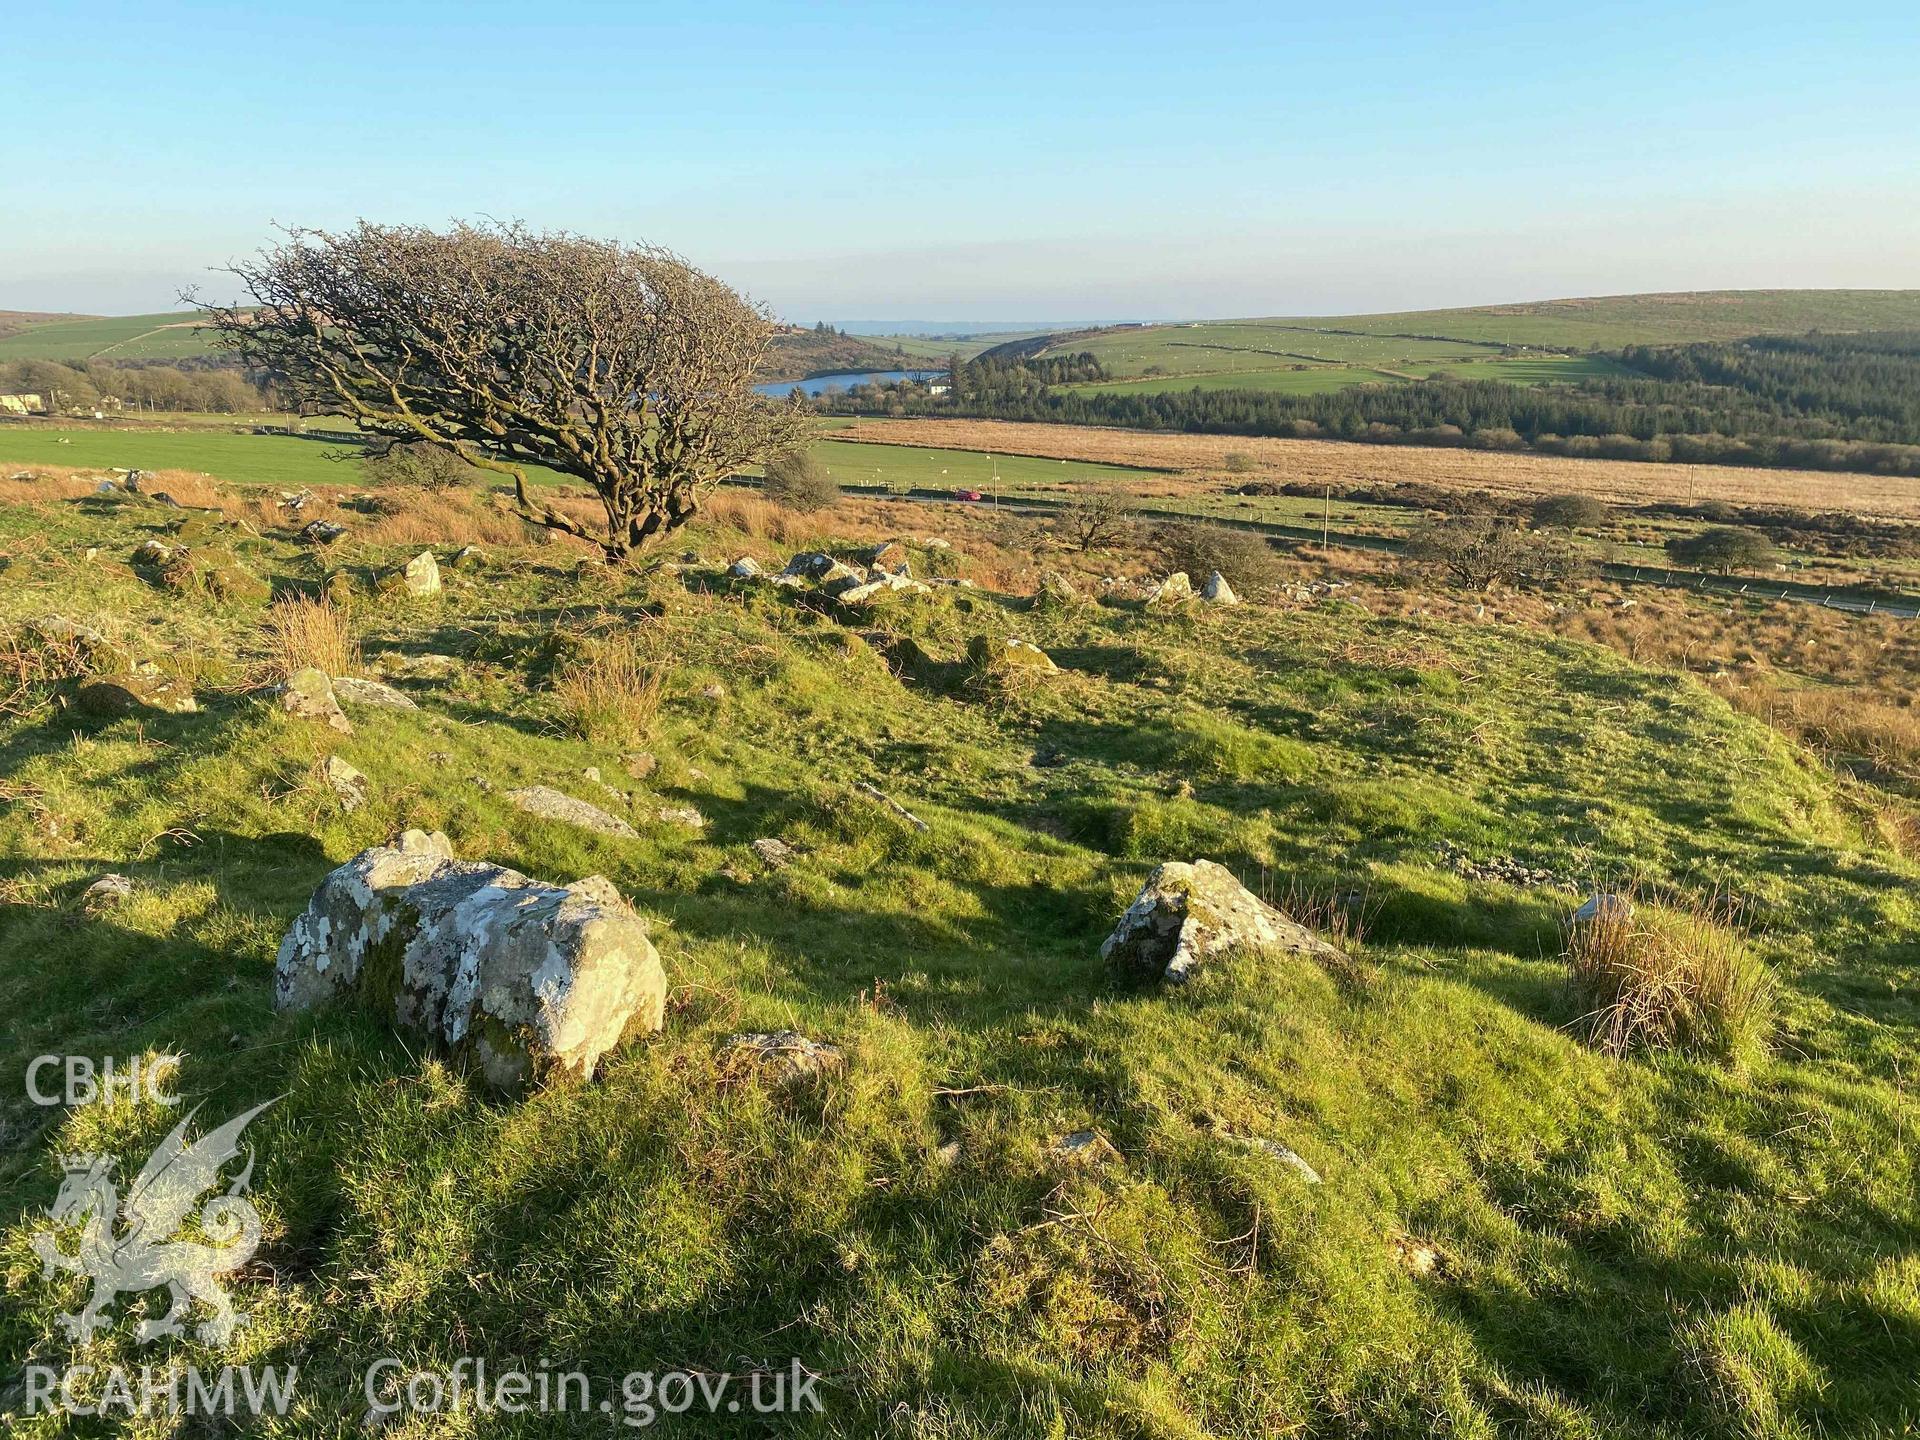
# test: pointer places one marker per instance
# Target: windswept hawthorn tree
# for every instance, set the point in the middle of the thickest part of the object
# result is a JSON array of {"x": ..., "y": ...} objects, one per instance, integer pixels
[{"x": 621, "y": 365}]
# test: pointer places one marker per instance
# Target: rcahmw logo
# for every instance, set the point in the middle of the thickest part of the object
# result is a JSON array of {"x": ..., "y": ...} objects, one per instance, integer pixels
[{"x": 131, "y": 1244}]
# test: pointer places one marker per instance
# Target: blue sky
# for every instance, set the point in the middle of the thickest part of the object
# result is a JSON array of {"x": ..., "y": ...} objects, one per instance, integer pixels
[{"x": 1052, "y": 161}]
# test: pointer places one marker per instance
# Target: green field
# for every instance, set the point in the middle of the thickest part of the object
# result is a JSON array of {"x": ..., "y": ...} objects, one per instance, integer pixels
[
  {"x": 238, "y": 458},
  {"x": 162, "y": 336},
  {"x": 1531, "y": 369},
  {"x": 919, "y": 348}
]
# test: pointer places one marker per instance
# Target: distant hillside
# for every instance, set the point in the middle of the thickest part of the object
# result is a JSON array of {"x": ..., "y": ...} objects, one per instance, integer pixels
[
  {"x": 170, "y": 335},
  {"x": 798, "y": 353},
  {"x": 14, "y": 321},
  {"x": 174, "y": 335},
  {"x": 1408, "y": 344}
]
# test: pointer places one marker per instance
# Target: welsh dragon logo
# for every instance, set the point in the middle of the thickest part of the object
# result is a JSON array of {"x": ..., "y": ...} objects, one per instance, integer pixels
[{"x": 132, "y": 1245}]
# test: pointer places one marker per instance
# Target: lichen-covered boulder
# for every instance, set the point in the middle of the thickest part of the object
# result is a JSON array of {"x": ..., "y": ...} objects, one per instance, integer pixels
[
  {"x": 309, "y": 694},
  {"x": 349, "y": 785},
  {"x": 1009, "y": 654},
  {"x": 1176, "y": 589},
  {"x": 1187, "y": 914},
  {"x": 1056, "y": 592},
  {"x": 524, "y": 979},
  {"x": 374, "y": 694},
  {"x": 422, "y": 575}
]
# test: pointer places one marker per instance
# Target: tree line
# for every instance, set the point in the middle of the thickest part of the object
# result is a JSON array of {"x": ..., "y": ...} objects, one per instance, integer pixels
[
  {"x": 1841, "y": 402},
  {"x": 117, "y": 388}
]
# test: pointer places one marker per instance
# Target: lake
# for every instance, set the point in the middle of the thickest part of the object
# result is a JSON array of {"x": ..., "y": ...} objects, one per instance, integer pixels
[{"x": 820, "y": 384}]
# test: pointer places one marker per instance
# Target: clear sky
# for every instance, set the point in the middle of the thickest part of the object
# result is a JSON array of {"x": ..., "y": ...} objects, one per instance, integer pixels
[{"x": 983, "y": 160}]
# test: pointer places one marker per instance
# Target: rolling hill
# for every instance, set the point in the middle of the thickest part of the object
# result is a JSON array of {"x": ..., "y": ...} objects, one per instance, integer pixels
[
  {"x": 174, "y": 335},
  {"x": 1277, "y": 352}
]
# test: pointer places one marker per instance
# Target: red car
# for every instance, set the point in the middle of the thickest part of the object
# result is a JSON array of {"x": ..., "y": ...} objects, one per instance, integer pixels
[{"x": 968, "y": 495}]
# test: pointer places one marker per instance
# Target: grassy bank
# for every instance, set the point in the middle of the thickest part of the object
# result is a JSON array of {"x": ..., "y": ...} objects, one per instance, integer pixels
[{"x": 1514, "y": 1233}]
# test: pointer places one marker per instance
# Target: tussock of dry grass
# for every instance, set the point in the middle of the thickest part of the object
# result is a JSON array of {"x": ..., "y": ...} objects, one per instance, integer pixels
[
  {"x": 311, "y": 633},
  {"x": 613, "y": 695},
  {"x": 1653, "y": 978}
]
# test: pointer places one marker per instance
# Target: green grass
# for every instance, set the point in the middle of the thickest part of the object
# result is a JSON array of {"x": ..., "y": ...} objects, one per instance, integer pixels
[
  {"x": 244, "y": 459},
  {"x": 853, "y": 462},
  {"x": 161, "y": 336},
  {"x": 1639, "y": 1247}
]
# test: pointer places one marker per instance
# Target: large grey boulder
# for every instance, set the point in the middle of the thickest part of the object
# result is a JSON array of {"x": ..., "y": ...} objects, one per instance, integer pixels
[
  {"x": 1187, "y": 914},
  {"x": 523, "y": 979},
  {"x": 422, "y": 575},
  {"x": 1217, "y": 592}
]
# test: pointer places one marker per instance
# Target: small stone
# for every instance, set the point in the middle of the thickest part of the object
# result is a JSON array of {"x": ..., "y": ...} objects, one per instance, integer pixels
[
  {"x": 373, "y": 694},
  {"x": 107, "y": 892},
  {"x": 715, "y": 691},
  {"x": 785, "y": 1056},
  {"x": 1056, "y": 591},
  {"x": 466, "y": 556},
  {"x": 309, "y": 694},
  {"x": 348, "y": 784},
  {"x": 1603, "y": 908},
  {"x": 685, "y": 816},
  {"x": 128, "y": 694},
  {"x": 321, "y": 532},
  {"x": 1217, "y": 592},
  {"x": 152, "y": 552},
  {"x": 777, "y": 853},
  {"x": 422, "y": 575},
  {"x": 1282, "y": 1153},
  {"x": 891, "y": 557},
  {"x": 1010, "y": 654},
  {"x": 546, "y": 803},
  {"x": 642, "y": 765},
  {"x": 1084, "y": 1147},
  {"x": 1176, "y": 589},
  {"x": 745, "y": 568}
]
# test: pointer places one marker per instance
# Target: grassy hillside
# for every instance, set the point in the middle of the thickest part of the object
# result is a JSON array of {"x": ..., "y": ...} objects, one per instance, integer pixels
[
  {"x": 1513, "y": 1234},
  {"x": 170, "y": 335},
  {"x": 1241, "y": 353},
  {"x": 13, "y": 321}
]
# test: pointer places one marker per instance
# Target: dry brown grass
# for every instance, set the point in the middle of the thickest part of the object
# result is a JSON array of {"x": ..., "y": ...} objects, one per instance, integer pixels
[
  {"x": 311, "y": 633},
  {"x": 1343, "y": 463},
  {"x": 1659, "y": 978},
  {"x": 613, "y": 695}
]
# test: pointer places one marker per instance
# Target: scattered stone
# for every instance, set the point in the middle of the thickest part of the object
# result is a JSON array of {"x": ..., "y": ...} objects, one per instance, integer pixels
[
  {"x": 873, "y": 793},
  {"x": 161, "y": 497},
  {"x": 1176, "y": 589},
  {"x": 309, "y": 694},
  {"x": 428, "y": 665},
  {"x": 467, "y": 556},
  {"x": 715, "y": 691},
  {"x": 225, "y": 579},
  {"x": 642, "y": 765},
  {"x": 339, "y": 589},
  {"x": 936, "y": 543},
  {"x": 1084, "y": 1147},
  {"x": 785, "y": 1056},
  {"x": 685, "y": 816},
  {"x": 1418, "y": 1258},
  {"x": 546, "y": 803},
  {"x": 1285, "y": 1155},
  {"x": 1010, "y": 654},
  {"x": 128, "y": 694},
  {"x": 776, "y": 853},
  {"x": 1217, "y": 592},
  {"x": 152, "y": 552},
  {"x": 1604, "y": 907},
  {"x": 949, "y": 1153},
  {"x": 106, "y": 893},
  {"x": 1056, "y": 592},
  {"x": 321, "y": 532},
  {"x": 422, "y": 575},
  {"x": 350, "y": 786},
  {"x": 891, "y": 557},
  {"x": 524, "y": 978},
  {"x": 818, "y": 566},
  {"x": 745, "y": 568},
  {"x": 1189, "y": 913},
  {"x": 375, "y": 694}
]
